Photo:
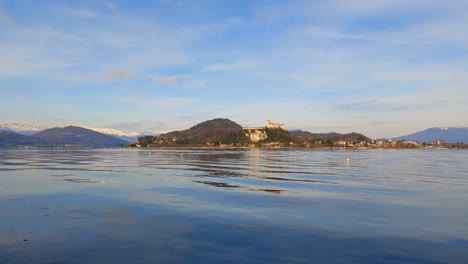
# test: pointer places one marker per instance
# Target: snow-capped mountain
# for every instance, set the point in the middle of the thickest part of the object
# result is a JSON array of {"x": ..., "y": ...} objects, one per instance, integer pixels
[
  {"x": 31, "y": 129},
  {"x": 22, "y": 128},
  {"x": 447, "y": 134},
  {"x": 152, "y": 133},
  {"x": 111, "y": 131},
  {"x": 128, "y": 136}
]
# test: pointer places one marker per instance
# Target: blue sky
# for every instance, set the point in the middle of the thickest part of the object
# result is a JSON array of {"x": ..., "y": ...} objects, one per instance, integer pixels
[{"x": 383, "y": 68}]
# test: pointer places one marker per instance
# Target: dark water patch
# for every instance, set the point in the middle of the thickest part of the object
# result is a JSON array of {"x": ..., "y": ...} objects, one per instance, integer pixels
[
  {"x": 82, "y": 169},
  {"x": 219, "y": 184},
  {"x": 232, "y": 186},
  {"x": 274, "y": 191},
  {"x": 78, "y": 180},
  {"x": 226, "y": 185},
  {"x": 297, "y": 180},
  {"x": 299, "y": 172}
]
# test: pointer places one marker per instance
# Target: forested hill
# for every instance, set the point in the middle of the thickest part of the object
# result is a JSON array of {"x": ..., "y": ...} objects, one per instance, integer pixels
[
  {"x": 217, "y": 131},
  {"x": 299, "y": 135}
]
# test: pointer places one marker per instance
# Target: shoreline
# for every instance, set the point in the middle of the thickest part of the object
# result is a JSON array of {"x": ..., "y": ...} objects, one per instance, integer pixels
[{"x": 242, "y": 148}]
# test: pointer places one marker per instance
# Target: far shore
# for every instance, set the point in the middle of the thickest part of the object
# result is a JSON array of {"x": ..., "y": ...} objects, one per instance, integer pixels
[
  {"x": 227, "y": 147},
  {"x": 285, "y": 148}
]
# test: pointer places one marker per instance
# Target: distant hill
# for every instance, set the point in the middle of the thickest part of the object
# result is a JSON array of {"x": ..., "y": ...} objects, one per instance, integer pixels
[
  {"x": 78, "y": 136},
  {"x": 219, "y": 130},
  {"x": 446, "y": 134},
  {"x": 10, "y": 139},
  {"x": 331, "y": 136}
]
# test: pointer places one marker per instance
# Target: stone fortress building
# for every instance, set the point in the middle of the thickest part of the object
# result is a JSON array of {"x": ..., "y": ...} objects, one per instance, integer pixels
[
  {"x": 258, "y": 133},
  {"x": 275, "y": 125}
]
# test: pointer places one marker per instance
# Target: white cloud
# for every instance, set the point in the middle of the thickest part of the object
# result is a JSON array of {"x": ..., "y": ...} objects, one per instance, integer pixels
[
  {"x": 236, "y": 65},
  {"x": 148, "y": 103},
  {"x": 59, "y": 53},
  {"x": 169, "y": 79},
  {"x": 333, "y": 64}
]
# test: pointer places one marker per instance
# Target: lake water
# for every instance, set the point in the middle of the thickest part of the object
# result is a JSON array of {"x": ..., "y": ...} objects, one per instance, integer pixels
[{"x": 242, "y": 206}]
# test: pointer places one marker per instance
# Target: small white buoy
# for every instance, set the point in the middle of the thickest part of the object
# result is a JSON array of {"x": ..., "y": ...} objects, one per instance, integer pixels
[
  {"x": 181, "y": 154},
  {"x": 295, "y": 157},
  {"x": 347, "y": 159}
]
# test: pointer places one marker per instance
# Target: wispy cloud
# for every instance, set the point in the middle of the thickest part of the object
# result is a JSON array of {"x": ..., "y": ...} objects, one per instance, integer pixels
[
  {"x": 376, "y": 104},
  {"x": 118, "y": 74},
  {"x": 244, "y": 65},
  {"x": 82, "y": 12},
  {"x": 183, "y": 80},
  {"x": 149, "y": 104},
  {"x": 169, "y": 79},
  {"x": 110, "y": 5},
  {"x": 177, "y": 2},
  {"x": 52, "y": 51},
  {"x": 310, "y": 64}
]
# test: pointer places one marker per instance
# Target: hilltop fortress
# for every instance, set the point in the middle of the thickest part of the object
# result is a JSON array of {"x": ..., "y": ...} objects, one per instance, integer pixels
[
  {"x": 259, "y": 133},
  {"x": 269, "y": 124},
  {"x": 275, "y": 125}
]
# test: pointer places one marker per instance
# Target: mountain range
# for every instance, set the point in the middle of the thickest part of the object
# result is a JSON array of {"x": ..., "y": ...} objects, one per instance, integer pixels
[
  {"x": 446, "y": 134},
  {"x": 31, "y": 129},
  {"x": 78, "y": 136},
  {"x": 70, "y": 137},
  {"x": 21, "y": 128},
  {"x": 217, "y": 131}
]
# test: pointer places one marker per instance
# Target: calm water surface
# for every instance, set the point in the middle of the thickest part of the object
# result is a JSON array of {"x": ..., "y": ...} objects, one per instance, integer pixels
[{"x": 246, "y": 206}]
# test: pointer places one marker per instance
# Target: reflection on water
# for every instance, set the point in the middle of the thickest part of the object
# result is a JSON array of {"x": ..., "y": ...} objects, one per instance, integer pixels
[{"x": 233, "y": 206}]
